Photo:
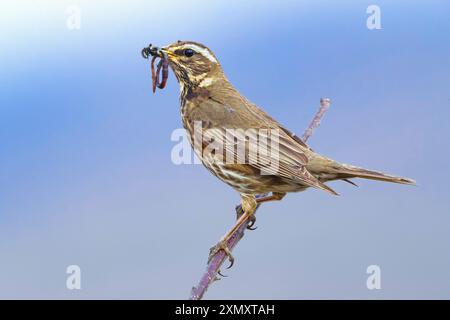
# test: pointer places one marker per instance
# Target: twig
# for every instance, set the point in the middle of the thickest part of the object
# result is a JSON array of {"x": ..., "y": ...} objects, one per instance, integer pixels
[
  {"x": 219, "y": 258},
  {"x": 324, "y": 105}
]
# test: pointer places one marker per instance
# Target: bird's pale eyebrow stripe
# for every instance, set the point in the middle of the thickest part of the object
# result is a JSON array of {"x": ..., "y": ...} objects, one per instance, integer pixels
[{"x": 204, "y": 52}]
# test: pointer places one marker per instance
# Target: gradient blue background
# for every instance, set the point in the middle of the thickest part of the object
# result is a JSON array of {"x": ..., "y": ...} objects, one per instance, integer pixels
[{"x": 85, "y": 170}]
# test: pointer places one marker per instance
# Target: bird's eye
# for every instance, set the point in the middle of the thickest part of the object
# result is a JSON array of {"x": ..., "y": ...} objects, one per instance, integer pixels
[{"x": 189, "y": 52}]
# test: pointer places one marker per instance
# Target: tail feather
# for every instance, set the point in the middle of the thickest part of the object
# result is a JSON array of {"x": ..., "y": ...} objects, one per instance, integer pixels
[
  {"x": 326, "y": 169},
  {"x": 323, "y": 186},
  {"x": 345, "y": 171},
  {"x": 350, "y": 181}
]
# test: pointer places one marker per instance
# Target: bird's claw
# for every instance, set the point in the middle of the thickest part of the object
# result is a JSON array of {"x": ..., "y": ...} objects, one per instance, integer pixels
[
  {"x": 222, "y": 245},
  {"x": 221, "y": 274},
  {"x": 251, "y": 223},
  {"x": 251, "y": 219}
]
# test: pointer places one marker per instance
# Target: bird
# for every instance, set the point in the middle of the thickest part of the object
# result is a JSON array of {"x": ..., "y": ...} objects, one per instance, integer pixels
[{"x": 214, "y": 110}]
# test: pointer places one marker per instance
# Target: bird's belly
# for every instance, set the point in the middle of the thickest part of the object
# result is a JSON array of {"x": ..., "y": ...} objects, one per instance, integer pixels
[{"x": 249, "y": 180}]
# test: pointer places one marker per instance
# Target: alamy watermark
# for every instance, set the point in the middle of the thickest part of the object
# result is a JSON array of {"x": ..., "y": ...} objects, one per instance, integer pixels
[
  {"x": 73, "y": 281},
  {"x": 73, "y": 21},
  {"x": 373, "y": 281},
  {"x": 373, "y": 21},
  {"x": 258, "y": 147}
]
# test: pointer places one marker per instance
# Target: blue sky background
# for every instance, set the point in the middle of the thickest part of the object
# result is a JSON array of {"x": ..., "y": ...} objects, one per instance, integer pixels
[{"x": 85, "y": 170}]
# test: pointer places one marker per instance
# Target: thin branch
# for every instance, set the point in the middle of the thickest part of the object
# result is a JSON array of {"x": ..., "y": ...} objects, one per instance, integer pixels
[
  {"x": 219, "y": 258},
  {"x": 324, "y": 105}
]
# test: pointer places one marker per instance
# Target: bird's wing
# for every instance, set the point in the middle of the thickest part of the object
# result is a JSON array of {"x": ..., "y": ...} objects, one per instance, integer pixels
[{"x": 285, "y": 156}]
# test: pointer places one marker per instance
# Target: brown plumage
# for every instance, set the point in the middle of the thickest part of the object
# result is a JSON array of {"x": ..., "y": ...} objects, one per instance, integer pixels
[{"x": 207, "y": 97}]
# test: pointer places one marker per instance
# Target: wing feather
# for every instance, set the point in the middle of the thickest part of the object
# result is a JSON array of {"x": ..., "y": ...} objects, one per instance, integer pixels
[{"x": 290, "y": 159}]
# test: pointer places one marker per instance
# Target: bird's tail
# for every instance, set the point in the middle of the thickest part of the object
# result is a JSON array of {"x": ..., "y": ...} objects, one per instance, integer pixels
[
  {"x": 340, "y": 171},
  {"x": 347, "y": 172}
]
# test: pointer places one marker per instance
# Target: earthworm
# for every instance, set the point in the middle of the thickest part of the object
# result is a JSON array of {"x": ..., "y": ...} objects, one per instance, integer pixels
[
  {"x": 162, "y": 69},
  {"x": 154, "y": 78},
  {"x": 164, "y": 64}
]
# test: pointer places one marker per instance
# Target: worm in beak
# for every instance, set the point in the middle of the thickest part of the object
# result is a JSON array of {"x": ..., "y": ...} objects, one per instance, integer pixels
[{"x": 162, "y": 69}]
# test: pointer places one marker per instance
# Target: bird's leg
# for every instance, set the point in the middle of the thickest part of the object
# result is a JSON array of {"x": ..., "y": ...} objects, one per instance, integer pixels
[
  {"x": 248, "y": 204},
  {"x": 244, "y": 212},
  {"x": 275, "y": 196},
  {"x": 251, "y": 219}
]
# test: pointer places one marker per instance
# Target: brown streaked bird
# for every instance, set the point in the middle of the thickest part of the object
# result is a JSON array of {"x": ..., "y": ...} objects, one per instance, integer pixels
[{"x": 207, "y": 97}]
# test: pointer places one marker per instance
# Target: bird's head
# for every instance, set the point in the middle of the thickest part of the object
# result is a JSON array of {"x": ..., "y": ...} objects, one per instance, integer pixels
[{"x": 193, "y": 63}]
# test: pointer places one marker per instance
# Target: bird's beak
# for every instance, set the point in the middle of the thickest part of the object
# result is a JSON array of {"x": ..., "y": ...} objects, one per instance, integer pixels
[{"x": 168, "y": 52}]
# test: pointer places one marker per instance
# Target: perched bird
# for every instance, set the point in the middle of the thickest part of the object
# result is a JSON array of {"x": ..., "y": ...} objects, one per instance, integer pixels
[{"x": 212, "y": 107}]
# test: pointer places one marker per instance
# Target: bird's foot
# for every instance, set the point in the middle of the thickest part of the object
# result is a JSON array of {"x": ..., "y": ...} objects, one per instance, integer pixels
[
  {"x": 222, "y": 245},
  {"x": 251, "y": 219}
]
